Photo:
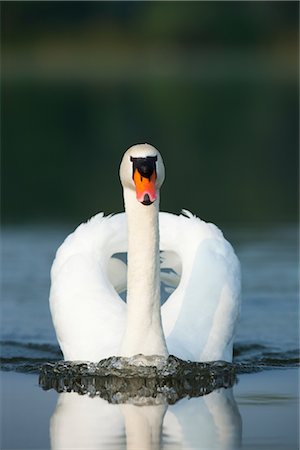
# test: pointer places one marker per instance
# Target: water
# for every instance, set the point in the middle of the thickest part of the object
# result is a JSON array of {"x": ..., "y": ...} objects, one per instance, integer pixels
[
  {"x": 261, "y": 412},
  {"x": 168, "y": 417}
]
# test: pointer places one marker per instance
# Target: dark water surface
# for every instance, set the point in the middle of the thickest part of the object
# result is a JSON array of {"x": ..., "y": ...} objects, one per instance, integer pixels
[{"x": 260, "y": 411}]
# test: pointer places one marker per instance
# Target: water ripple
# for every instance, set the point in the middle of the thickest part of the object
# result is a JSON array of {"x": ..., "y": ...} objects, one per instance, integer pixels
[
  {"x": 30, "y": 357},
  {"x": 154, "y": 378}
]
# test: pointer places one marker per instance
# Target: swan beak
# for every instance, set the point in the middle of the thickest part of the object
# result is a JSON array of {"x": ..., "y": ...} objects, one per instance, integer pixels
[{"x": 145, "y": 187}]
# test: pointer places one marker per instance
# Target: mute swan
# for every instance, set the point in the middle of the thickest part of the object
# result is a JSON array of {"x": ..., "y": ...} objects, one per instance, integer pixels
[{"x": 198, "y": 320}]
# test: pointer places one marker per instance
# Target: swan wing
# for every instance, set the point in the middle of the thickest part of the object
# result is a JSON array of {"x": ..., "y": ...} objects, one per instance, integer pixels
[
  {"x": 200, "y": 316},
  {"x": 88, "y": 314}
]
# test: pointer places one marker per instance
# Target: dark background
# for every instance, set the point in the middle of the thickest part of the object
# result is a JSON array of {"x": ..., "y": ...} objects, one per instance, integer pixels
[{"x": 213, "y": 85}]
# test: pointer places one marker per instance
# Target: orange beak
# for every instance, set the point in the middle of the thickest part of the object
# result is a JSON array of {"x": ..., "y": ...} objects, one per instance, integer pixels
[{"x": 145, "y": 187}]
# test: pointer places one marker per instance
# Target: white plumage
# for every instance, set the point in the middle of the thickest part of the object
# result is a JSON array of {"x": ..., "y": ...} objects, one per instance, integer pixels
[{"x": 200, "y": 315}]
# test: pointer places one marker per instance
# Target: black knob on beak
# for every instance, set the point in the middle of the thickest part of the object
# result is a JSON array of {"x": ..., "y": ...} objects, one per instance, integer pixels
[{"x": 146, "y": 200}]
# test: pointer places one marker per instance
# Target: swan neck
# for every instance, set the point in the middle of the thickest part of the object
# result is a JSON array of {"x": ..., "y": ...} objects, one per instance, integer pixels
[{"x": 144, "y": 332}]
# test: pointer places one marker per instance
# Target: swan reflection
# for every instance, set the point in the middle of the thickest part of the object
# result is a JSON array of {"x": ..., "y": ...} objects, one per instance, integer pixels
[{"x": 209, "y": 421}]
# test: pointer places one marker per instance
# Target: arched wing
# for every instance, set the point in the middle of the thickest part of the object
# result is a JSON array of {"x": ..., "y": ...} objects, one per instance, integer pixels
[
  {"x": 199, "y": 317},
  {"x": 88, "y": 314}
]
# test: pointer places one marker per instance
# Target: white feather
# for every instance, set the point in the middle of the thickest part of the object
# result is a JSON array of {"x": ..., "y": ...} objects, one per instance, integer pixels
[{"x": 198, "y": 318}]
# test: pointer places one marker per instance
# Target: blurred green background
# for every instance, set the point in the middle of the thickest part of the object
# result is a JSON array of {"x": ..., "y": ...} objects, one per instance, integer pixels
[{"x": 213, "y": 85}]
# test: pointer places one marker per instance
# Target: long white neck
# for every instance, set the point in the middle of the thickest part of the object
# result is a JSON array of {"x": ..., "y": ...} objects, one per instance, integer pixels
[{"x": 144, "y": 333}]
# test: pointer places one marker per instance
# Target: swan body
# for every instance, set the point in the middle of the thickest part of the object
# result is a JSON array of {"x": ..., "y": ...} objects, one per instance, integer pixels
[{"x": 191, "y": 257}]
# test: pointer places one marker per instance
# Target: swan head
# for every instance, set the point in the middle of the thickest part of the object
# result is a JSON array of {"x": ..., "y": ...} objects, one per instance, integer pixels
[{"x": 142, "y": 171}]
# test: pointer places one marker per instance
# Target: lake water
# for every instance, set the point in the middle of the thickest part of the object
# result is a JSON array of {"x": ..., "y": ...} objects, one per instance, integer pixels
[{"x": 260, "y": 411}]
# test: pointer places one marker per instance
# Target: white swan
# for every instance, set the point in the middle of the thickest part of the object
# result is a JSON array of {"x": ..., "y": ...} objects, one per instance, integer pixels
[{"x": 198, "y": 320}]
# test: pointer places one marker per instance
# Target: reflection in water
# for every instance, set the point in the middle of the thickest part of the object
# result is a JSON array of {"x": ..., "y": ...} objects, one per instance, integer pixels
[
  {"x": 209, "y": 421},
  {"x": 143, "y": 403},
  {"x": 80, "y": 421}
]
